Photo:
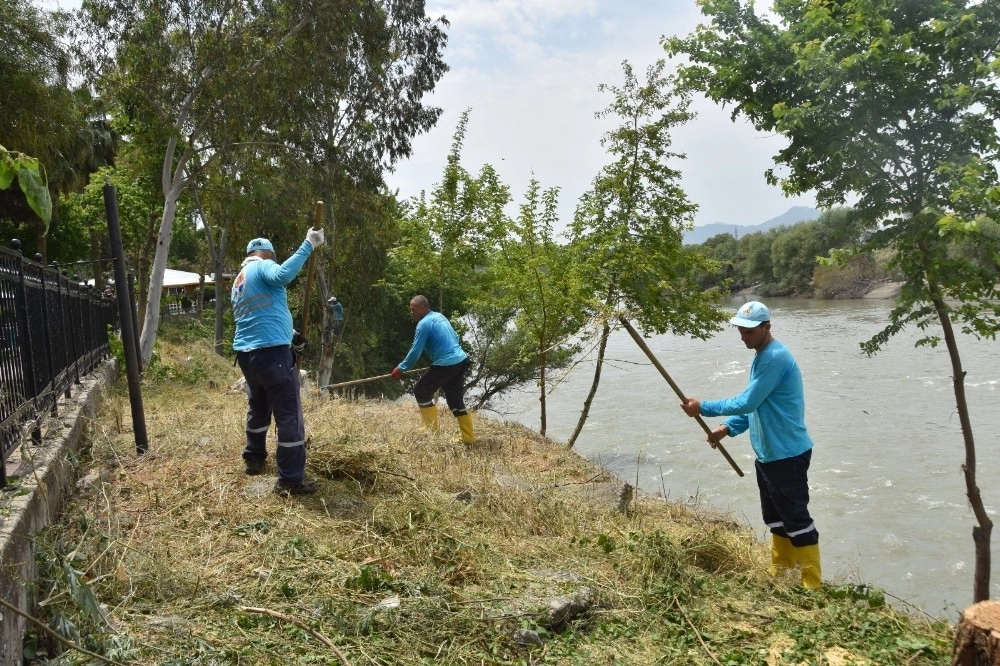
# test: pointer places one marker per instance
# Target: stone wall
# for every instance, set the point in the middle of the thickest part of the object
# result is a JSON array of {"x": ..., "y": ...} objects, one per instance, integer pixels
[{"x": 43, "y": 477}]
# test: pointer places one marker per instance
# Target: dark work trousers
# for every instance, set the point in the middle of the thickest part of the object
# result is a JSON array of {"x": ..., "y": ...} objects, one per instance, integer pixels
[
  {"x": 273, "y": 385},
  {"x": 784, "y": 498},
  {"x": 449, "y": 378}
]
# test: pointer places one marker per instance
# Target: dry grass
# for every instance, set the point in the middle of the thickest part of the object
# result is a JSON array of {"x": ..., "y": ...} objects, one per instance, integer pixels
[{"x": 416, "y": 549}]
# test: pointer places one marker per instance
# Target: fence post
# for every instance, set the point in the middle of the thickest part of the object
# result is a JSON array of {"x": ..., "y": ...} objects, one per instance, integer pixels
[
  {"x": 24, "y": 334},
  {"x": 71, "y": 306},
  {"x": 62, "y": 326},
  {"x": 47, "y": 334}
]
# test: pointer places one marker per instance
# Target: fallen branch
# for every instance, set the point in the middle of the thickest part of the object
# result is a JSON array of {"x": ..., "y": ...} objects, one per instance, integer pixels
[
  {"x": 65, "y": 641},
  {"x": 301, "y": 625},
  {"x": 695, "y": 630}
]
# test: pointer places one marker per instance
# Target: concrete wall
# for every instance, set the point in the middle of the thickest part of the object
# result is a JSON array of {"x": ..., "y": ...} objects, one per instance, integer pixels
[{"x": 46, "y": 477}]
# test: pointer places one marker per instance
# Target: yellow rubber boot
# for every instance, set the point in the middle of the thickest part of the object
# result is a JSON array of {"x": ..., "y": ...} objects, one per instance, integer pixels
[
  {"x": 783, "y": 554},
  {"x": 465, "y": 425},
  {"x": 812, "y": 574},
  {"x": 430, "y": 416}
]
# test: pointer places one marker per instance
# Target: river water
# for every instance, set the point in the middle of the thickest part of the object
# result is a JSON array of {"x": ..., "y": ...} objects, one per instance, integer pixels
[{"x": 887, "y": 491}]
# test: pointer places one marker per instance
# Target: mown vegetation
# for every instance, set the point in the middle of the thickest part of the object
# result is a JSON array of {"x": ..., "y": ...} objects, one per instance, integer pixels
[
  {"x": 416, "y": 550},
  {"x": 187, "y": 110}
]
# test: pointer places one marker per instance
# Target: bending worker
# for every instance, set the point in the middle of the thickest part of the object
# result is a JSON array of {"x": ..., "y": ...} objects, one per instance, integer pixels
[
  {"x": 438, "y": 338},
  {"x": 263, "y": 346},
  {"x": 773, "y": 408}
]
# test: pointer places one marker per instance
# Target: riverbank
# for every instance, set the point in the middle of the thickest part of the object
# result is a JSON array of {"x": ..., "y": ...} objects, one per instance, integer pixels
[
  {"x": 881, "y": 290},
  {"x": 417, "y": 549}
]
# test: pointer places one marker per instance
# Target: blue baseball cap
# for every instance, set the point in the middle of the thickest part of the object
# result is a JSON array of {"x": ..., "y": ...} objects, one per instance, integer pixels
[
  {"x": 751, "y": 315},
  {"x": 260, "y": 244}
]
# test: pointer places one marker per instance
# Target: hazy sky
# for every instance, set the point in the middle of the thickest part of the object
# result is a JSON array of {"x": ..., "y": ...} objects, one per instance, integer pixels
[{"x": 529, "y": 72}]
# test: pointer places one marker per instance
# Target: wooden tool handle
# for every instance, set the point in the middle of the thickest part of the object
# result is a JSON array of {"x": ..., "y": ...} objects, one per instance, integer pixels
[{"x": 680, "y": 394}]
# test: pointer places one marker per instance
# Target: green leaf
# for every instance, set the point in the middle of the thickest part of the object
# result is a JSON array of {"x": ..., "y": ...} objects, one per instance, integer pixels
[
  {"x": 36, "y": 192},
  {"x": 6, "y": 173}
]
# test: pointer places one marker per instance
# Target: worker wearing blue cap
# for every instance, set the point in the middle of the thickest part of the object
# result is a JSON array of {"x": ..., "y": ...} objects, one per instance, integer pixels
[
  {"x": 772, "y": 408},
  {"x": 263, "y": 346}
]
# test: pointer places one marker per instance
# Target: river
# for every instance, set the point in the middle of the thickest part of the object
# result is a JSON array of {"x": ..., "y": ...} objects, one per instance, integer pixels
[{"x": 887, "y": 491}]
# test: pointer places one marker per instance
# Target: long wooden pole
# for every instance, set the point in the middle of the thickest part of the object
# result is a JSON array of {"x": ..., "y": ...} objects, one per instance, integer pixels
[
  {"x": 317, "y": 224},
  {"x": 355, "y": 382},
  {"x": 680, "y": 394}
]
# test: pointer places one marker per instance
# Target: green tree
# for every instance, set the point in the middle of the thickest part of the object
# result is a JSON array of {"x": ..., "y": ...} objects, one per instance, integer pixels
[
  {"x": 753, "y": 259},
  {"x": 338, "y": 84},
  {"x": 722, "y": 248},
  {"x": 794, "y": 255},
  {"x": 889, "y": 103},
  {"x": 627, "y": 230},
  {"x": 452, "y": 231},
  {"x": 535, "y": 278},
  {"x": 85, "y": 211}
]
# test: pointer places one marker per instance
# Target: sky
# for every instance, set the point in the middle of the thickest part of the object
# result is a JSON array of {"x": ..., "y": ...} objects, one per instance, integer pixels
[{"x": 529, "y": 71}]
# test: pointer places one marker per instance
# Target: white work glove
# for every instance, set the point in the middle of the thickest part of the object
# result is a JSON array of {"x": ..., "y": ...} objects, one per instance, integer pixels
[{"x": 315, "y": 237}]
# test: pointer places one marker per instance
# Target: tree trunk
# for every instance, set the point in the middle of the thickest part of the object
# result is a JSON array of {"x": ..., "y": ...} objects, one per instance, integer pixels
[
  {"x": 601, "y": 348},
  {"x": 541, "y": 390},
  {"x": 981, "y": 532},
  {"x": 199, "y": 304},
  {"x": 174, "y": 182},
  {"x": 327, "y": 345},
  {"x": 221, "y": 293},
  {"x": 977, "y": 637}
]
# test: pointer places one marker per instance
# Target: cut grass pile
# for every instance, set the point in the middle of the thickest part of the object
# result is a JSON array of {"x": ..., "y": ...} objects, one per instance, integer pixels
[{"x": 415, "y": 550}]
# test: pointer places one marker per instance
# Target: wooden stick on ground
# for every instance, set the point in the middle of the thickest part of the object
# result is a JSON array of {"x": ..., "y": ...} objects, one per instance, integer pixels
[{"x": 301, "y": 625}]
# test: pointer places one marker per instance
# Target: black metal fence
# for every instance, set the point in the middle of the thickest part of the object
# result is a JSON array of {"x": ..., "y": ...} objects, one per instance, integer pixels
[{"x": 53, "y": 330}]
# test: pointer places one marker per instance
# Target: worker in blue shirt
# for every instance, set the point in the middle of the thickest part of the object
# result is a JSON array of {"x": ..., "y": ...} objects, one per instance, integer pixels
[
  {"x": 436, "y": 336},
  {"x": 772, "y": 408},
  {"x": 336, "y": 316},
  {"x": 266, "y": 344}
]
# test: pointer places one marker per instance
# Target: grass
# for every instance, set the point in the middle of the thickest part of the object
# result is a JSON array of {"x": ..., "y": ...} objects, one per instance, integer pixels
[{"x": 415, "y": 550}]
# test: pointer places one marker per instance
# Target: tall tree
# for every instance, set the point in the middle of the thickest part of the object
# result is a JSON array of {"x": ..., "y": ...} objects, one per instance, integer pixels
[
  {"x": 627, "y": 230},
  {"x": 454, "y": 228},
  {"x": 888, "y": 102},
  {"x": 334, "y": 80},
  {"x": 535, "y": 277}
]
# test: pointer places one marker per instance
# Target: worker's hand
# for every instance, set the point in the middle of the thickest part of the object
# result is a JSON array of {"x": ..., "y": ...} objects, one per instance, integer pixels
[
  {"x": 298, "y": 342},
  {"x": 717, "y": 434},
  {"x": 315, "y": 237},
  {"x": 397, "y": 373},
  {"x": 691, "y": 406}
]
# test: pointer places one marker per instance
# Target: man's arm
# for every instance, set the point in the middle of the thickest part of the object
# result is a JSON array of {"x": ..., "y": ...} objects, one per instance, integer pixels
[
  {"x": 417, "y": 348},
  {"x": 762, "y": 383}
]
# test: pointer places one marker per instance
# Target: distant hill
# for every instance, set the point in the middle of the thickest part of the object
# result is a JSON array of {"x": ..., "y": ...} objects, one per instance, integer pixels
[{"x": 793, "y": 215}]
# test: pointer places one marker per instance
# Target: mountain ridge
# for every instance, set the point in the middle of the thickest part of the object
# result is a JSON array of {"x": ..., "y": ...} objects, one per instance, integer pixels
[{"x": 793, "y": 215}]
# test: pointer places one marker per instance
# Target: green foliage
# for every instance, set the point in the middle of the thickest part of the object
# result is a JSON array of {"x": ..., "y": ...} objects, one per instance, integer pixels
[
  {"x": 450, "y": 233},
  {"x": 508, "y": 286},
  {"x": 893, "y": 105},
  {"x": 31, "y": 179},
  {"x": 535, "y": 279},
  {"x": 626, "y": 234},
  {"x": 76, "y": 614},
  {"x": 217, "y": 82}
]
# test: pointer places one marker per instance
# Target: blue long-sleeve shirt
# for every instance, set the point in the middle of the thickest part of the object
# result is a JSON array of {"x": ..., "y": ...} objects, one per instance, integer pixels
[
  {"x": 772, "y": 407},
  {"x": 260, "y": 302},
  {"x": 436, "y": 336}
]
